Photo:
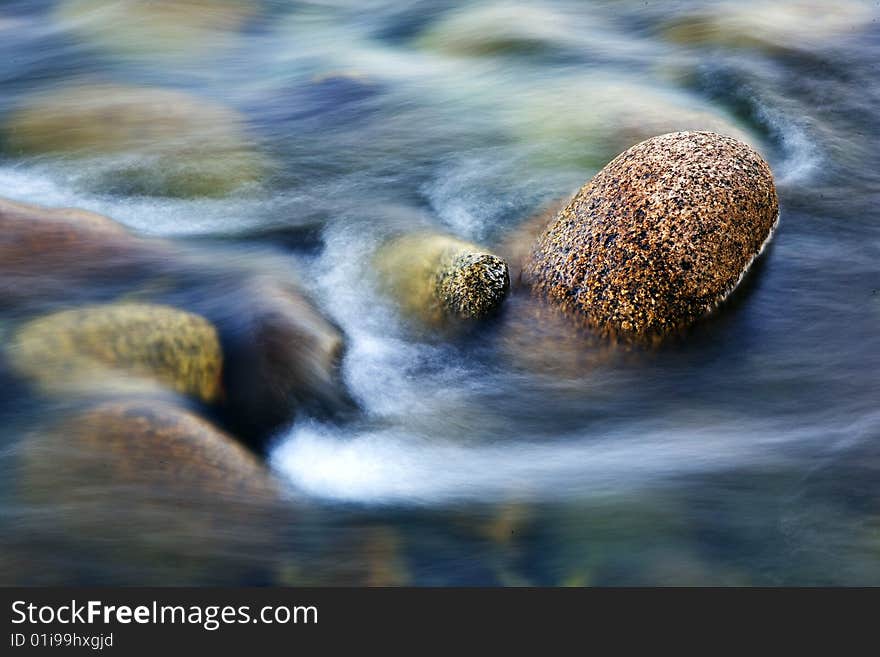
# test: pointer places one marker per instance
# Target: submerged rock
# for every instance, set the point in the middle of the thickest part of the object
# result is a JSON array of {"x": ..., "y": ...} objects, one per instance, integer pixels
[
  {"x": 792, "y": 25},
  {"x": 438, "y": 277},
  {"x": 498, "y": 28},
  {"x": 158, "y": 28},
  {"x": 153, "y": 488},
  {"x": 587, "y": 121},
  {"x": 119, "y": 348},
  {"x": 283, "y": 357},
  {"x": 49, "y": 254},
  {"x": 140, "y": 140},
  {"x": 154, "y": 443},
  {"x": 659, "y": 237}
]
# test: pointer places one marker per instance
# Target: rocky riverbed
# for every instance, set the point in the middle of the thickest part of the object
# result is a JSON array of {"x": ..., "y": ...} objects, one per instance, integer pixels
[{"x": 439, "y": 293}]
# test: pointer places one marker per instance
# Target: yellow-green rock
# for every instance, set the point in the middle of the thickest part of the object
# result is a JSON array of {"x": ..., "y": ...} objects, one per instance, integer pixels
[
  {"x": 156, "y": 28},
  {"x": 119, "y": 348},
  {"x": 438, "y": 277},
  {"x": 140, "y": 140}
]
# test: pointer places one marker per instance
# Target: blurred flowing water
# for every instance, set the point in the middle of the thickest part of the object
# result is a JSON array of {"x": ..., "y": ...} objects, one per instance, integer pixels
[{"x": 747, "y": 453}]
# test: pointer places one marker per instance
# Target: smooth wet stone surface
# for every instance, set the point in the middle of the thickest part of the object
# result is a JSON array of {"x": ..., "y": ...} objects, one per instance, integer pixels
[
  {"x": 119, "y": 348},
  {"x": 438, "y": 277},
  {"x": 659, "y": 237},
  {"x": 140, "y": 140}
]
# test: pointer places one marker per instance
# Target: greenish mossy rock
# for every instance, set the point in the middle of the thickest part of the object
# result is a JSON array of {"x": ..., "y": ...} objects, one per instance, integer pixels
[
  {"x": 771, "y": 26},
  {"x": 659, "y": 237},
  {"x": 156, "y": 28},
  {"x": 119, "y": 348},
  {"x": 140, "y": 140},
  {"x": 438, "y": 278},
  {"x": 496, "y": 29},
  {"x": 587, "y": 121}
]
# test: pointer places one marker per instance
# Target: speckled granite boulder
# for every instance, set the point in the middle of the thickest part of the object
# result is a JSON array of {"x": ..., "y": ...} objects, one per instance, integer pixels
[
  {"x": 438, "y": 277},
  {"x": 516, "y": 247},
  {"x": 119, "y": 348},
  {"x": 659, "y": 237},
  {"x": 139, "y": 140}
]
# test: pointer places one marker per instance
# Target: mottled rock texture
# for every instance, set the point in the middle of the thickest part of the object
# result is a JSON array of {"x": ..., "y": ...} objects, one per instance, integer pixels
[
  {"x": 438, "y": 277},
  {"x": 123, "y": 347},
  {"x": 659, "y": 237},
  {"x": 517, "y": 245}
]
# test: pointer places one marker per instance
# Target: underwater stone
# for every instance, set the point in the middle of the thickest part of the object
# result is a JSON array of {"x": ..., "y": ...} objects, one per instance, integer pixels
[
  {"x": 119, "y": 348},
  {"x": 499, "y": 28},
  {"x": 771, "y": 26},
  {"x": 140, "y": 140},
  {"x": 158, "y": 28},
  {"x": 282, "y": 357},
  {"x": 659, "y": 237},
  {"x": 52, "y": 254},
  {"x": 586, "y": 121},
  {"x": 438, "y": 277},
  {"x": 154, "y": 488}
]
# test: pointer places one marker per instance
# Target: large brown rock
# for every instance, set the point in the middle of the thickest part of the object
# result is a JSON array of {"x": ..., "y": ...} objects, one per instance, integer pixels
[{"x": 659, "y": 237}]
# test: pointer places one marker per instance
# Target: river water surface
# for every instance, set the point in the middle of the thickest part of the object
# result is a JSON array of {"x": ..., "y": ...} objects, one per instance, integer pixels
[{"x": 747, "y": 453}]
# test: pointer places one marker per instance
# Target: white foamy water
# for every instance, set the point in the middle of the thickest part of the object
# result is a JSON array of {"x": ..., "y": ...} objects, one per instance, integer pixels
[{"x": 390, "y": 466}]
